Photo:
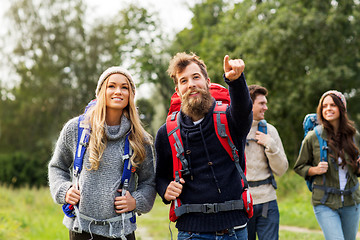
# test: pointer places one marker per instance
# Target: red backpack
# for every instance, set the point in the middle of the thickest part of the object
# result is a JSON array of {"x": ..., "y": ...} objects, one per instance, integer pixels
[{"x": 221, "y": 94}]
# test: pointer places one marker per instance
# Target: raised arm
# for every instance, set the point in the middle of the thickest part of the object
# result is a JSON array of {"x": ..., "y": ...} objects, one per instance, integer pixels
[{"x": 240, "y": 111}]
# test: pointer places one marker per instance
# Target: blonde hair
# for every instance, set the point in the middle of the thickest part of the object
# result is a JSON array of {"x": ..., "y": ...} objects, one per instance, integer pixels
[{"x": 138, "y": 137}]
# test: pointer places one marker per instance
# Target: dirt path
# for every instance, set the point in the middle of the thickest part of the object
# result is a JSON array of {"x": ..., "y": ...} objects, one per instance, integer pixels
[
  {"x": 299, "y": 229},
  {"x": 305, "y": 230},
  {"x": 142, "y": 232}
]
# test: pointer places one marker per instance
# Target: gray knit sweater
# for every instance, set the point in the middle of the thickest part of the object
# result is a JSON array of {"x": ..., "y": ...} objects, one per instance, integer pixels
[{"x": 99, "y": 188}]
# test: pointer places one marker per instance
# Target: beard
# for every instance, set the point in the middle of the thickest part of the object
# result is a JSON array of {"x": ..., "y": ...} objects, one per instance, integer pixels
[{"x": 196, "y": 106}]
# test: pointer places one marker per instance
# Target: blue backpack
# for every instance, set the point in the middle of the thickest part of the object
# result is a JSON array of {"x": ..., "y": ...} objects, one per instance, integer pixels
[
  {"x": 311, "y": 123},
  {"x": 82, "y": 143}
]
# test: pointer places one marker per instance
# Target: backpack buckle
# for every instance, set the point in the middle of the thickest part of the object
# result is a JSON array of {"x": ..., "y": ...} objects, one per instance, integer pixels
[
  {"x": 76, "y": 171},
  {"x": 210, "y": 208},
  {"x": 99, "y": 222},
  {"x": 185, "y": 172}
]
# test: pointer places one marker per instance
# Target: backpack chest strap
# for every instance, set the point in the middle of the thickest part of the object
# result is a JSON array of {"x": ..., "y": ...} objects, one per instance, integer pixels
[
  {"x": 331, "y": 190},
  {"x": 210, "y": 207},
  {"x": 269, "y": 180},
  {"x": 109, "y": 222}
]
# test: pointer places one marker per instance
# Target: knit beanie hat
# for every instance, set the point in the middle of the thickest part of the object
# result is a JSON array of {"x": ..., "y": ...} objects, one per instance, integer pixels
[
  {"x": 113, "y": 70},
  {"x": 336, "y": 93}
]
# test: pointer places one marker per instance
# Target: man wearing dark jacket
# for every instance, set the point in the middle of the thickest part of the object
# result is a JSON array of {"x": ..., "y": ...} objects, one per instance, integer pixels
[{"x": 212, "y": 178}]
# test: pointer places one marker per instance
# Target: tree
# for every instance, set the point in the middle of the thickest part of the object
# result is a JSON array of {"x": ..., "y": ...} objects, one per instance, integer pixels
[
  {"x": 146, "y": 112},
  {"x": 298, "y": 50},
  {"x": 58, "y": 59},
  {"x": 45, "y": 57},
  {"x": 202, "y": 38}
]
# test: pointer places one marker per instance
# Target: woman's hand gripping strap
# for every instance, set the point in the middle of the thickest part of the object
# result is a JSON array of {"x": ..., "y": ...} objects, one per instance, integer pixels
[
  {"x": 82, "y": 143},
  {"x": 125, "y": 178}
]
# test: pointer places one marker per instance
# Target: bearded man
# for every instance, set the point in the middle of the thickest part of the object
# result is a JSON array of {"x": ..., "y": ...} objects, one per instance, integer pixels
[{"x": 211, "y": 176}]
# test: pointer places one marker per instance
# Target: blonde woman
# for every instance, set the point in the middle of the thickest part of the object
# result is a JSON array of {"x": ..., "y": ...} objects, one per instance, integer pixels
[{"x": 97, "y": 197}]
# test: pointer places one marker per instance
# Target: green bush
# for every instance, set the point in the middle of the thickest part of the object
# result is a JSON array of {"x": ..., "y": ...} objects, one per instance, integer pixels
[{"x": 23, "y": 169}]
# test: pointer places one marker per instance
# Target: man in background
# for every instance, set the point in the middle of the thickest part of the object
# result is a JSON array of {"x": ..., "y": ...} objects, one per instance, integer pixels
[{"x": 264, "y": 156}]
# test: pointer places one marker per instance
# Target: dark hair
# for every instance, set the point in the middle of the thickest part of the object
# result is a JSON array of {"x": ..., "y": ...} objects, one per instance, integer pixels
[
  {"x": 181, "y": 60},
  {"x": 344, "y": 138},
  {"x": 256, "y": 90}
]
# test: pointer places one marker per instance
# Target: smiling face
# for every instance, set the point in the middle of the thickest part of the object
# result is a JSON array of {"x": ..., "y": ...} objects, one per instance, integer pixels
[
  {"x": 259, "y": 107},
  {"x": 193, "y": 89},
  {"x": 190, "y": 80},
  {"x": 117, "y": 93},
  {"x": 330, "y": 111}
]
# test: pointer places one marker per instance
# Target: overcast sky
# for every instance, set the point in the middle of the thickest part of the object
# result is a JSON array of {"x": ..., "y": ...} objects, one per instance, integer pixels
[{"x": 175, "y": 15}]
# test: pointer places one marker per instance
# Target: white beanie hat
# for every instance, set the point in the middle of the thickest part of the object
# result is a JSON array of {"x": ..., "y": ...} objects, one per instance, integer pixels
[
  {"x": 336, "y": 93},
  {"x": 113, "y": 70}
]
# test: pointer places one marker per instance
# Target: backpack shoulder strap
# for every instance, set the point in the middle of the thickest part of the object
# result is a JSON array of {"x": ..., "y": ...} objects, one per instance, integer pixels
[
  {"x": 223, "y": 133},
  {"x": 127, "y": 163},
  {"x": 262, "y": 126},
  {"x": 126, "y": 175},
  {"x": 84, "y": 129},
  {"x": 323, "y": 144},
  {"x": 222, "y": 130},
  {"x": 180, "y": 164},
  {"x": 82, "y": 143}
]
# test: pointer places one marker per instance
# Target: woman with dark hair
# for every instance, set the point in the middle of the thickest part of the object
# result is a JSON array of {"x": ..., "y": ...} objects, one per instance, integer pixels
[
  {"x": 335, "y": 193},
  {"x": 101, "y": 207}
]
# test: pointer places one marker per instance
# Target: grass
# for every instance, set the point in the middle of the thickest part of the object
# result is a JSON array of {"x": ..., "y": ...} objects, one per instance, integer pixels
[
  {"x": 30, "y": 213},
  {"x": 157, "y": 223},
  {"x": 300, "y": 235},
  {"x": 294, "y": 201}
]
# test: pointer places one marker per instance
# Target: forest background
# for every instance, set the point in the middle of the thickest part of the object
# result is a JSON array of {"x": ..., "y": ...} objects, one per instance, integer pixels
[{"x": 296, "y": 49}]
